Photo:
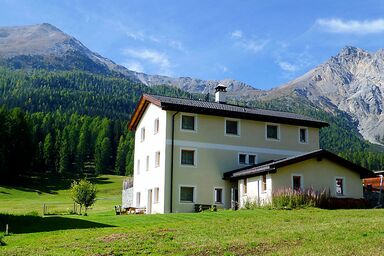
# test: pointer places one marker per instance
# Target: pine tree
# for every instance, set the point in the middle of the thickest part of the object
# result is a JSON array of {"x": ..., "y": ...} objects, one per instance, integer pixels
[
  {"x": 121, "y": 157},
  {"x": 48, "y": 151},
  {"x": 64, "y": 163}
]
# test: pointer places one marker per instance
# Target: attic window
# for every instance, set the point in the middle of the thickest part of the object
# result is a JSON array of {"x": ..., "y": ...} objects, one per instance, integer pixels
[
  {"x": 188, "y": 123},
  {"x": 142, "y": 135},
  {"x": 231, "y": 127},
  {"x": 272, "y": 132}
]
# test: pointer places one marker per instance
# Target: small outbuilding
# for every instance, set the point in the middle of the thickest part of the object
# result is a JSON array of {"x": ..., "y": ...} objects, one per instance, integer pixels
[{"x": 318, "y": 170}]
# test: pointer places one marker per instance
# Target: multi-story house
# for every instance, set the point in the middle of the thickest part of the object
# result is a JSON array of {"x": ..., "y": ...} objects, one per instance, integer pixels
[{"x": 191, "y": 152}]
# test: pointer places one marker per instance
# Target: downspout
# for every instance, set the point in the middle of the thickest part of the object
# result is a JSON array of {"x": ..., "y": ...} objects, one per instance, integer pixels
[{"x": 172, "y": 149}]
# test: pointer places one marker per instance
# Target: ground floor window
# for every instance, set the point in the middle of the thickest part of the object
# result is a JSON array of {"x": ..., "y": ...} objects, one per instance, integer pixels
[
  {"x": 339, "y": 186},
  {"x": 156, "y": 196},
  {"x": 137, "y": 199},
  {"x": 264, "y": 182},
  {"x": 187, "y": 194},
  {"x": 296, "y": 182},
  {"x": 218, "y": 195}
]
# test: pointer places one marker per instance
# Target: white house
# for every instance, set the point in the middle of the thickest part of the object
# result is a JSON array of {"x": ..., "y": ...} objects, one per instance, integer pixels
[{"x": 190, "y": 152}]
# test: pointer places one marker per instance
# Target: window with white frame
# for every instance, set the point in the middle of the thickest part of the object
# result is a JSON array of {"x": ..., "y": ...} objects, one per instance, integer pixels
[
  {"x": 187, "y": 194},
  {"x": 245, "y": 158},
  {"x": 142, "y": 134},
  {"x": 157, "y": 159},
  {"x": 156, "y": 195},
  {"x": 303, "y": 135},
  {"x": 339, "y": 186},
  {"x": 218, "y": 195},
  {"x": 231, "y": 127},
  {"x": 156, "y": 126},
  {"x": 147, "y": 164},
  {"x": 272, "y": 132},
  {"x": 188, "y": 122},
  {"x": 138, "y": 167},
  {"x": 188, "y": 157}
]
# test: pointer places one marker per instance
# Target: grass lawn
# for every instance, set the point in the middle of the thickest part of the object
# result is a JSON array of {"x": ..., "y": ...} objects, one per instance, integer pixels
[{"x": 246, "y": 232}]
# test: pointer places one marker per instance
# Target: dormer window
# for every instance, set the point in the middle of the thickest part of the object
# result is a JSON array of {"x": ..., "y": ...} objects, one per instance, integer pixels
[
  {"x": 188, "y": 123},
  {"x": 232, "y": 127}
]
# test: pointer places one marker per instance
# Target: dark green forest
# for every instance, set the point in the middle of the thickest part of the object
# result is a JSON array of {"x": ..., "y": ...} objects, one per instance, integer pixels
[{"x": 76, "y": 122}]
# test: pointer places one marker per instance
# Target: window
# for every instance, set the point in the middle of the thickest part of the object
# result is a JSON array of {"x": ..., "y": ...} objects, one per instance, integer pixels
[
  {"x": 252, "y": 159},
  {"x": 303, "y": 135},
  {"x": 156, "y": 196},
  {"x": 264, "y": 183},
  {"x": 157, "y": 159},
  {"x": 218, "y": 195},
  {"x": 187, "y": 157},
  {"x": 138, "y": 167},
  {"x": 296, "y": 182},
  {"x": 147, "y": 164},
  {"x": 156, "y": 126},
  {"x": 187, "y": 194},
  {"x": 242, "y": 158},
  {"x": 272, "y": 132},
  {"x": 245, "y": 188},
  {"x": 231, "y": 127},
  {"x": 142, "y": 137},
  {"x": 247, "y": 158},
  {"x": 339, "y": 186},
  {"x": 137, "y": 199},
  {"x": 188, "y": 123}
]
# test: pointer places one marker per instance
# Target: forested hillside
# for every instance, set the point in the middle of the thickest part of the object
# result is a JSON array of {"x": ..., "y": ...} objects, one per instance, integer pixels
[{"x": 72, "y": 121}]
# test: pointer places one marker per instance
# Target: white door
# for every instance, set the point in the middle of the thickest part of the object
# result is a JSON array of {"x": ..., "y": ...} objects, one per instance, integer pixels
[{"x": 149, "y": 202}]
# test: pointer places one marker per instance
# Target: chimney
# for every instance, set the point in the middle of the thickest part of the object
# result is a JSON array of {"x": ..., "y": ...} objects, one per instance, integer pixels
[{"x": 220, "y": 93}]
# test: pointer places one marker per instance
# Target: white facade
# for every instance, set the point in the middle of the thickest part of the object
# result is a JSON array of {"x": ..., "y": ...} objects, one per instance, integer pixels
[{"x": 149, "y": 165}]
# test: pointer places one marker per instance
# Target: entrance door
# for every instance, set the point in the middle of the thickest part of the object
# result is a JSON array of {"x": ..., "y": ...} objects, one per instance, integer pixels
[
  {"x": 234, "y": 198},
  {"x": 149, "y": 202}
]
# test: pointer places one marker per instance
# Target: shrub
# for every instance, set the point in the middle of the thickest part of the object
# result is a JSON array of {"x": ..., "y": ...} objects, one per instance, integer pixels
[
  {"x": 288, "y": 198},
  {"x": 1, "y": 239}
]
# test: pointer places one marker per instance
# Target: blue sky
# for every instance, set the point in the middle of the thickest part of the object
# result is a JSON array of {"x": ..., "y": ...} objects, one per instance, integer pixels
[{"x": 262, "y": 43}]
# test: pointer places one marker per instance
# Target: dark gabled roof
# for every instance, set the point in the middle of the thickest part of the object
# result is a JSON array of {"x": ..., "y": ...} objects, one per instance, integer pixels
[
  {"x": 272, "y": 166},
  {"x": 220, "y": 109}
]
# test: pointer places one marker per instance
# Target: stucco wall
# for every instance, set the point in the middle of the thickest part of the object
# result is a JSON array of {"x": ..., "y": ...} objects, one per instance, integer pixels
[
  {"x": 319, "y": 175},
  {"x": 155, "y": 176}
]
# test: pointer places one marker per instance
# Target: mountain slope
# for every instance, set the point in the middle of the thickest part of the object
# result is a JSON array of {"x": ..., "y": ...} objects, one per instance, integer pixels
[
  {"x": 44, "y": 46},
  {"x": 352, "y": 81}
]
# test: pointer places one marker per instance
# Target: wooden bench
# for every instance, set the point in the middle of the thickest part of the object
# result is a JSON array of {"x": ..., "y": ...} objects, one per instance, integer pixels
[{"x": 204, "y": 207}]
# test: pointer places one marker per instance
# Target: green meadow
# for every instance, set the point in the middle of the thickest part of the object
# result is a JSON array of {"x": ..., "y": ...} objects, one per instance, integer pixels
[{"x": 308, "y": 231}]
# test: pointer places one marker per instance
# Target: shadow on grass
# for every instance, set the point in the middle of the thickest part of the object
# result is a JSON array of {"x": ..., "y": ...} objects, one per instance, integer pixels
[
  {"x": 47, "y": 182},
  {"x": 19, "y": 224}
]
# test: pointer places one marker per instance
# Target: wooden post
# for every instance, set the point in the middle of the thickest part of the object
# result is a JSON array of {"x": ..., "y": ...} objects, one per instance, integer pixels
[
  {"x": 43, "y": 209},
  {"x": 6, "y": 229}
]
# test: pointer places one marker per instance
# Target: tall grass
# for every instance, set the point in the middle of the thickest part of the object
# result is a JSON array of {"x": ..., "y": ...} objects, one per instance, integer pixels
[{"x": 288, "y": 198}]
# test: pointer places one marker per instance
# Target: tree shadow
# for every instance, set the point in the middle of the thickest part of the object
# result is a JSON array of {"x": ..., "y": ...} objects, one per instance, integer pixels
[
  {"x": 48, "y": 183},
  {"x": 19, "y": 224}
]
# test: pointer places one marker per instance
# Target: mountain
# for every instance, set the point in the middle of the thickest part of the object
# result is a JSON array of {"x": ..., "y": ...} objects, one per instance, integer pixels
[
  {"x": 352, "y": 81},
  {"x": 44, "y": 46}
]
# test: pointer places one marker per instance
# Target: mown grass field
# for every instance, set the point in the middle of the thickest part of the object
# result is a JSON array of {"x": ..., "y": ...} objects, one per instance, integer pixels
[{"x": 246, "y": 232}]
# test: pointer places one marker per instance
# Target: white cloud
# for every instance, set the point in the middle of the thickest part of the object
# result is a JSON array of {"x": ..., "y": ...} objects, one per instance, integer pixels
[
  {"x": 250, "y": 44},
  {"x": 156, "y": 58},
  {"x": 351, "y": 26},
  {"x": 134, "y": 65},
  {"x": 286, "y": 66},
  {"x": 237, "y": 34}
]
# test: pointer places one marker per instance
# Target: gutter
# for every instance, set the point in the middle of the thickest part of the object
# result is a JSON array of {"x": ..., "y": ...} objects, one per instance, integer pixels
[{"x": 172, "y": 149}]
